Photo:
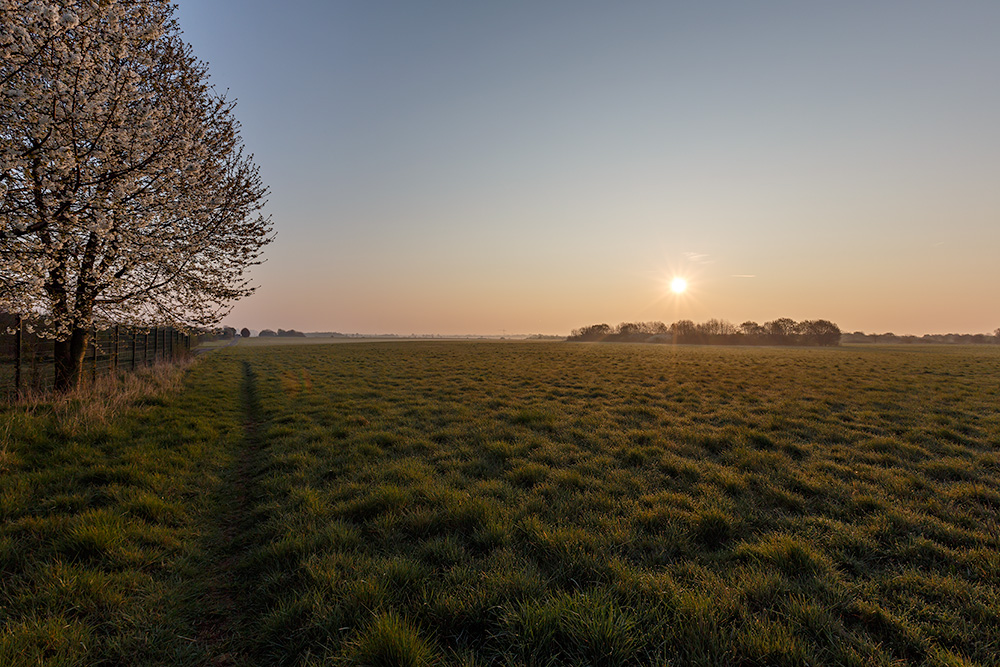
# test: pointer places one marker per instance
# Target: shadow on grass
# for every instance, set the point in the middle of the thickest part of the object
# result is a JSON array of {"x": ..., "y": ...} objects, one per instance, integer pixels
[{"x": 222, "y": 612}]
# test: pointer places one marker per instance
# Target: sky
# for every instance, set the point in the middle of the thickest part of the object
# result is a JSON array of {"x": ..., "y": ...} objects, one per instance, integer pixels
[{"x": 533, "y": 167}]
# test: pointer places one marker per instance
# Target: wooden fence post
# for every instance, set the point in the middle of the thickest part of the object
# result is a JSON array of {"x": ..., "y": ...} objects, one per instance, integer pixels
[
  {"x": 114, "y": 354},
  {"x": 17, "y": 355},
  {"x": 93, "y": 344}
]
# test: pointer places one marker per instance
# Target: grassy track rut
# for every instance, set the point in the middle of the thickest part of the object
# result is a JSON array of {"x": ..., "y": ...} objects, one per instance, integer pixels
[{"x": 224, "y": 603}]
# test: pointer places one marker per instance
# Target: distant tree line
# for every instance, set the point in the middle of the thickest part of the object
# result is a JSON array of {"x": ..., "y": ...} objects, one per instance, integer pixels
[
  {"x": 782, "y": 331},
  {"x": 281, "y": 333},
  {"x": 890, "y": 338}
]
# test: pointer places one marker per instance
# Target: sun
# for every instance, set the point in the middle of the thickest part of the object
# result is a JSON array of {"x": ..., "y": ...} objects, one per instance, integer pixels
[{"x": 678, "y": 285}]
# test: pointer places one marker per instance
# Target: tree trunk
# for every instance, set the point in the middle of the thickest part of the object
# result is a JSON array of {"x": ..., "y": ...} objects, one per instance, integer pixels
[{"x": 69, "y": 359}]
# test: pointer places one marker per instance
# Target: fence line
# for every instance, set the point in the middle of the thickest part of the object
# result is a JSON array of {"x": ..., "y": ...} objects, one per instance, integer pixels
[{"x": 27, "y": 361}]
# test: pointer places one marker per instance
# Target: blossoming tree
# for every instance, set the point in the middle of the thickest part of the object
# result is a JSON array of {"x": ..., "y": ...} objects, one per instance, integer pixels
[{"x": 125, "y": 194}]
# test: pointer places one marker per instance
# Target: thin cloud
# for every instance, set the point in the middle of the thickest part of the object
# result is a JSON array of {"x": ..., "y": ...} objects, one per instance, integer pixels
[{"x": 699, "y": 257}]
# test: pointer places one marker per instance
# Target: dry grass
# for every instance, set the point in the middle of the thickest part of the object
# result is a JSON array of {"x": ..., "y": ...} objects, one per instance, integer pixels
[
  {"x": 94, "y": 404},
  {"x": 7, "y": 457}
]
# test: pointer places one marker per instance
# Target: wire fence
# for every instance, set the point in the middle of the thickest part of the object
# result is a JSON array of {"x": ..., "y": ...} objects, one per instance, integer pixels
[{"x": 27, "y": 361}]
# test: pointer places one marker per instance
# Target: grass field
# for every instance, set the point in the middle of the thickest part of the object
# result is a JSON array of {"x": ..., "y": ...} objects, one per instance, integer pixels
[{"x": 484, "y": 503}]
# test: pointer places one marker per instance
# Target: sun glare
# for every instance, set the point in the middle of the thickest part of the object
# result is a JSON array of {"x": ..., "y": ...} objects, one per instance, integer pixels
[{"x": 678, "y": 285}]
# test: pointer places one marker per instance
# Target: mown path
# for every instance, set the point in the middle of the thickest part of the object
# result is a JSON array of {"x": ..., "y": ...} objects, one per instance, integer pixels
[{"x": 221, "y": 629}]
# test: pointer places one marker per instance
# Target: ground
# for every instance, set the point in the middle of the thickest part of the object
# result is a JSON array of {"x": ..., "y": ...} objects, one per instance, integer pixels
[{"x": 517, "y": 503}]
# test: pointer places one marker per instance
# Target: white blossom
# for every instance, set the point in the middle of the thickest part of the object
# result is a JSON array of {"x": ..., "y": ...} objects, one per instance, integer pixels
[
  {"x": 124, "y": 192},
  {"x": 69, "y": 20}
]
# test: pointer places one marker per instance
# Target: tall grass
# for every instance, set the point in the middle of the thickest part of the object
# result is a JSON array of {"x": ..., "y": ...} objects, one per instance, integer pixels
[{"x": 99, "y": 402}]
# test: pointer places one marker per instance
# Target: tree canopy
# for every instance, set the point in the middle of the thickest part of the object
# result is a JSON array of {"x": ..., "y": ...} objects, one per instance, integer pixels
[{"x": 125, "y": 193}]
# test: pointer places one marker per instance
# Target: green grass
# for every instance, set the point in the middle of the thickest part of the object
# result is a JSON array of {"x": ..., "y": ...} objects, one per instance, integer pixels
[
  {"x": 439, "y": 503},
  {"x": 105, "y": 521}
]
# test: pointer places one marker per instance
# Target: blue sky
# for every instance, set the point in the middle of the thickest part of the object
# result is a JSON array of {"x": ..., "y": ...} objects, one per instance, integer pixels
[{"x": 457, "y": 167}]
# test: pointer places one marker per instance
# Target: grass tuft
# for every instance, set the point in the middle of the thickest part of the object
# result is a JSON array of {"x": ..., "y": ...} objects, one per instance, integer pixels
[
  {"x": 713, "y": 528},
  {"x": 391, "y": 641}
]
